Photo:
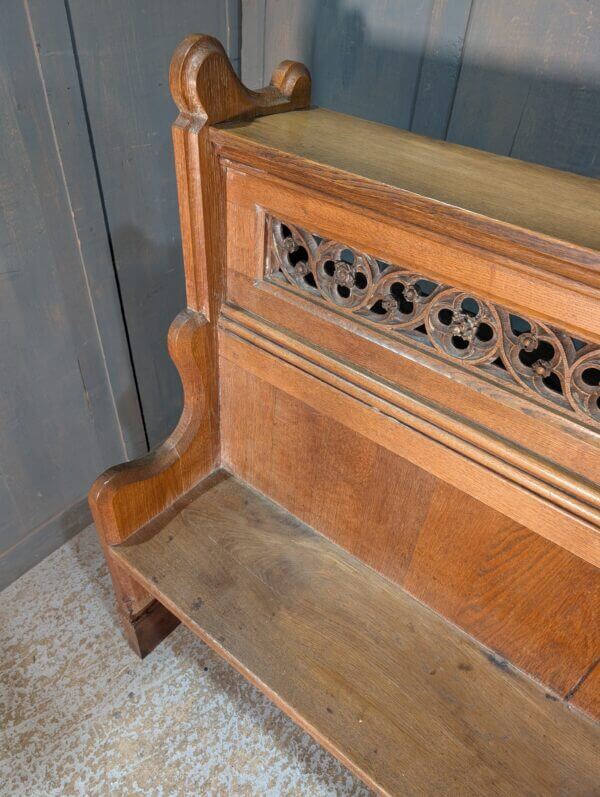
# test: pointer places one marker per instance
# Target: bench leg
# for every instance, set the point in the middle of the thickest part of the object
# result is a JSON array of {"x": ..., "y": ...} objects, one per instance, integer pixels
[{"x": 144, "y": 620}]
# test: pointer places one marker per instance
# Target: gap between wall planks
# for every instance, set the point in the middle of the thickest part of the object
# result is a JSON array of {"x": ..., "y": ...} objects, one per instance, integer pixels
[
  {"x": 68, "y": 399},
  {"x": 127, "y": 45},
  {"x": 508, "y": 77},
  {"x": 88, "y": 171}
]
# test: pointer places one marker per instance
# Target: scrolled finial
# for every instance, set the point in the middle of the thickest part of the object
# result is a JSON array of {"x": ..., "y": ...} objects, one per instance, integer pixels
[
  {"x": 292, "y": 79},
  {"x": 204, "y": 84}
]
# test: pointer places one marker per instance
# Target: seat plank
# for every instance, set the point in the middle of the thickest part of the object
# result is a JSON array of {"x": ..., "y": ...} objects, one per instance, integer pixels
[{"x": 406, "y": 700}]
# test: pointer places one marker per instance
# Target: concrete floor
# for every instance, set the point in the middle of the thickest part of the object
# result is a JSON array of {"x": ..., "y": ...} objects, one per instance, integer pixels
[{"x": 81, "y": 715}]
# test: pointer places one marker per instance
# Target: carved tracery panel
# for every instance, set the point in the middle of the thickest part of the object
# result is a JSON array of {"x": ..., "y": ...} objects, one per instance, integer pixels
[{"x": 543, "y": 361}]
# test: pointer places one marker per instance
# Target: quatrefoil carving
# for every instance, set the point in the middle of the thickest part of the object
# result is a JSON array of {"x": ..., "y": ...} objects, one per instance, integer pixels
[{"x": 542, "y": 361}]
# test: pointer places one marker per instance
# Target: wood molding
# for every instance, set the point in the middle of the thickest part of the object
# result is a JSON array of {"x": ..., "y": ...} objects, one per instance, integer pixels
[
  {"x": 465, "y": 262},
  {"x": 204, "y": 84},
  {"x": 128, "y": 495},
  {"x": 331, "y": 158},
  {"x": 400, "y": 696},
  {"x": 560, "y": 508},
  {"x": 435, "y": 381},
  {"x": 473, "y": 494}
]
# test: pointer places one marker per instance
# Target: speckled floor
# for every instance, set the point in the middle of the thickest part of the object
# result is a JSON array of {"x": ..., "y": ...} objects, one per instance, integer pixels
[{"x": 81, "y": 715}]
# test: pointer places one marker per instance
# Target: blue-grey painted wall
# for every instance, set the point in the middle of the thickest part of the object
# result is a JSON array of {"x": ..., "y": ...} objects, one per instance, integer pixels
[
  {"x": 90, "y": 262},
  {"x": 124, "y": 48},
  {"x": 515, "y": 77}
]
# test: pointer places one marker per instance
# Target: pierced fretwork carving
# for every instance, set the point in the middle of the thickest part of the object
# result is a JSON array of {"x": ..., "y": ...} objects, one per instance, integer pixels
[{"x": 538, "y": 358}]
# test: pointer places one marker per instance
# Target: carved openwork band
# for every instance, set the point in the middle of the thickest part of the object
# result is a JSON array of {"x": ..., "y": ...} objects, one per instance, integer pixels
[{"x": 541, "y": 360}]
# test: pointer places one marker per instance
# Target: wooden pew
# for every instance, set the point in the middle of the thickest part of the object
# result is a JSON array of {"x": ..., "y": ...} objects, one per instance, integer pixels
[{"x": 381, "y": 502}]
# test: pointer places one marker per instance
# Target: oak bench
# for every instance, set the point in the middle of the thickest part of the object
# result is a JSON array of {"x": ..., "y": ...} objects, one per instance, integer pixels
[{"x": 381, "y": 502}]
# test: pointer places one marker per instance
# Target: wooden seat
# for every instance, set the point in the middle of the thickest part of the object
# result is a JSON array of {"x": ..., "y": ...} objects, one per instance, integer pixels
[
  {"x": 381, "y": 502},
  {"x": 393, "y": 690}
]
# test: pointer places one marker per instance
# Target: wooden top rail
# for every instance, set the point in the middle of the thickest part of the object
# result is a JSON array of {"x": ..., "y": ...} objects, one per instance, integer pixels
[{"x": 546, "y": 209}]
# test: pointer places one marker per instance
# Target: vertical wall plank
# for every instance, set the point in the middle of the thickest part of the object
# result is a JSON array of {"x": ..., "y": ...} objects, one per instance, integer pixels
[
  {"x": 273, "y": 30},
  {"x": 86, "y": 181},
  {"x": 253, "y": 42},
  {"x": 106, "y": 370},
  {"x": 530, "y": 83},
  {"x": 233, "y": 27},
  {"x": 565, "y": 98},
  {"x": 368, "y": 57},
  {"x": 124, "y": 48},
  {"x": 512, "y": 77},
  {"x": 365, "y": 58},
  {"x": 60, "y": 419},
  {"x": 442, "y": 57},
  {"x": 85, "y": 162}
]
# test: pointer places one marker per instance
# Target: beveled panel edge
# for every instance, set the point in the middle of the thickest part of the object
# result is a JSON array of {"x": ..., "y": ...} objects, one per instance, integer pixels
[
  {"x": 555, "y": 504},
  {"x": 403, "y": 368},
  {"x": 496, "y": 408}
]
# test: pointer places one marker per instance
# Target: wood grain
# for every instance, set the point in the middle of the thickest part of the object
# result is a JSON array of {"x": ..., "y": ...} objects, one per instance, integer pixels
[
  {"x": 517, "y": 207},
  {"x": 440, "y": 68},
  {"x": 585, "y": 694},
  {"x": 123, "y": 49},
  {"x": 501, "y": 189},
  {"x": 451, "y": 460},
  {"x": 457, "y": 488},
  {"x": 528, "y": 84},
  {"x": 206, "y": 90},
  {"x": 443, "y": 393},
  {"x": 529, "y": 600},
  {"x": 401, "y": 697},
  {"x": 392, "y": 299},
  {"x": 527, "y": 285},
  {"x": 66, "y": 406}
]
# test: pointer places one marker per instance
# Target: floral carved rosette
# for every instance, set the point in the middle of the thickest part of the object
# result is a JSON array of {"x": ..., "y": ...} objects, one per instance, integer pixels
[
  {"x": 463, "y": 327},
  {"x": 584, "y": 383}
]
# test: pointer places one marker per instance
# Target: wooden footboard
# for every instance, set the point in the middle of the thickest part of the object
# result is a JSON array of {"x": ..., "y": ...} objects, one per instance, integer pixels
[{"x": 395, "y": 341}]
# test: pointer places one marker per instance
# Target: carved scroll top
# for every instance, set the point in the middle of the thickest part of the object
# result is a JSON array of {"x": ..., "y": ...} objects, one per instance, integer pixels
[{"x": 204, "y": 84}]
